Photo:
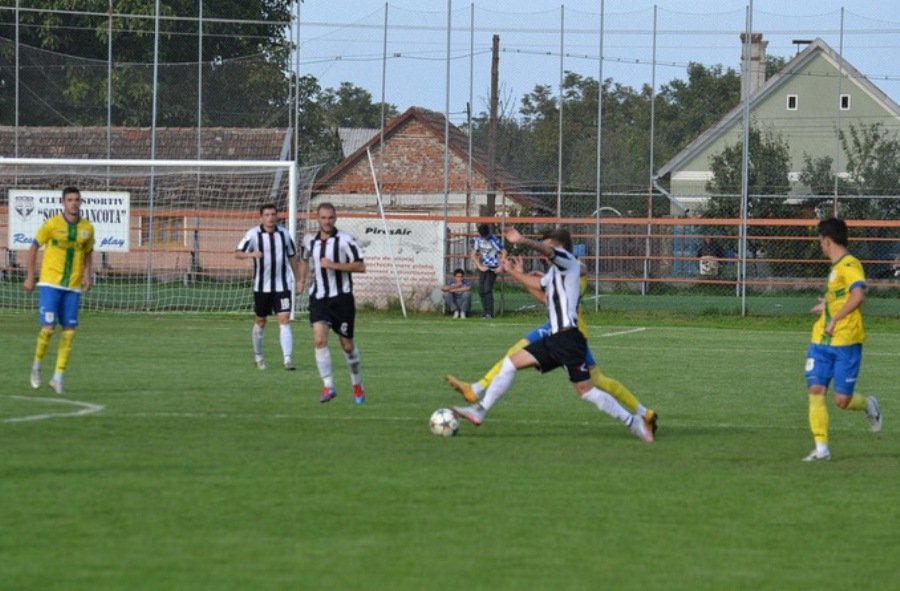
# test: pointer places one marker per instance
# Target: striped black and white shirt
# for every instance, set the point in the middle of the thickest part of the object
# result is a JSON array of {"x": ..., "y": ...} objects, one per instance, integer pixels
[
  {"x": 274, "y": 271},
  {"x": 562, "y": 287},
  {"x": 340, "y": 247}
]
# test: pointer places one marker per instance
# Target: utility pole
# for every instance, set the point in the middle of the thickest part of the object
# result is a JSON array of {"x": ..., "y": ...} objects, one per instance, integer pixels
[{"x": 491, "y": 207}]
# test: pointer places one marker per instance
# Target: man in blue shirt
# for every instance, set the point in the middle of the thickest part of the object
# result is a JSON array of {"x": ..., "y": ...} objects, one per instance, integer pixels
[
  {"x": 486, "y": 251},
  {"x": 458, "y": 295}
]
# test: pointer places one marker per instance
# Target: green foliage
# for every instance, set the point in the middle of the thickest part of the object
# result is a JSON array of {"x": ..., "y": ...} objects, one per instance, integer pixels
[
  {"x": 243, "y": 64},
  {"x": 769, "y": 163},
  {"x": 686, "y": 108}
]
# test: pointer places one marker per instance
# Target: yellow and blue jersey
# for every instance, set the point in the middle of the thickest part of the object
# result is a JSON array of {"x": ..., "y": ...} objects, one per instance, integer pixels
[
  {"x": 846, "y": 274},
  {"x": 66, "y": 245}
]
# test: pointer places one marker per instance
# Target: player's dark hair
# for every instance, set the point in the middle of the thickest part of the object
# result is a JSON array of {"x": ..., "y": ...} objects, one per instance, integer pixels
[
  {"x": 560, "y": 235},
  {"x": 266, "y": 206},
  {"x": 836, "y": 229},
  {"x": 484, "y": 230},
  {"x": 459, "y": 272},
  {"x": 68, "y": 190}
]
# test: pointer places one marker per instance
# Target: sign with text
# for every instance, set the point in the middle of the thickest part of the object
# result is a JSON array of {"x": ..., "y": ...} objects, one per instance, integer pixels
[
  {"x": 109, "y": 211},
  {"x": 417, "y": 250}
]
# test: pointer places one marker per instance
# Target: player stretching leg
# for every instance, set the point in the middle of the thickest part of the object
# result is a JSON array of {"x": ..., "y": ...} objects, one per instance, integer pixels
[
  {"x": 565, "y": 346},
  {"x": 473, "y": 392}
]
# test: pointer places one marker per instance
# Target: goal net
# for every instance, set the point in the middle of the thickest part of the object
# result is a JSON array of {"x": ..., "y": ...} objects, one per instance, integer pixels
[{"x": 165, "y": 231}]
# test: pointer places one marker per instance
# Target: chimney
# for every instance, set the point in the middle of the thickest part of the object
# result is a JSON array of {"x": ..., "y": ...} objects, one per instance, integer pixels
[{"x": 756, "y": 71}]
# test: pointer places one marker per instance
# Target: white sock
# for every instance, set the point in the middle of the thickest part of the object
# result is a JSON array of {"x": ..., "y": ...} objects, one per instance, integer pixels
[
  {"x": 323, "y": 362},
  {"x": 353, "y": 365},
  {"x": 287, "y": 340},
  {"x": 641, "y": 410},
  {"x": 499, "y": 385},
  {"x": 257, "y": 339},
  {"x": 478, "y": 389},
  {"x": 607, "y": 404}
]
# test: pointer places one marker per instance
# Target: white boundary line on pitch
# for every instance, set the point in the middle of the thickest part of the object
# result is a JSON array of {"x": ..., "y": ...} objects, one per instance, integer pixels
[
  {"x": 86, "y": 409},
  {"x": 624, "y": 332}
]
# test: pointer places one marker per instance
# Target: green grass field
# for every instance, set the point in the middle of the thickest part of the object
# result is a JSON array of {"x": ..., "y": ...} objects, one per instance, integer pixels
[{"x": 175, "y": 464}]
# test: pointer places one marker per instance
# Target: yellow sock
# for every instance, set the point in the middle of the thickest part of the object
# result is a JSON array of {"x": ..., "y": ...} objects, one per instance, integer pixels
[
  {"x": 616, "y": 389},
  {"x": 858, "y": 402},
  {"x": 492, "y": 373},
  {"x": 65, "y": 349},
  {"x": 43, "y": 341},
  {"x": 818, "y": 418}
]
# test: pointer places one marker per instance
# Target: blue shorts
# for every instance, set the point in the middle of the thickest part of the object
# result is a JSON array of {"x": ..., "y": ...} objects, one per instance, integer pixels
[
  {"x": 58, "y": 306},
  {"x": 841, "y": 364},
  {"x": 544, "y": 330}
]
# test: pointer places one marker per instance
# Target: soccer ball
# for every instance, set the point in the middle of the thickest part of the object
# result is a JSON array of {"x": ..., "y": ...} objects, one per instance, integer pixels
[{"x": 444, "y": 423}]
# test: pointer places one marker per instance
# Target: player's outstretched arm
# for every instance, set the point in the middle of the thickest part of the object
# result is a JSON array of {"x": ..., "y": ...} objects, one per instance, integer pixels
[{"x": 513, "y": 236}]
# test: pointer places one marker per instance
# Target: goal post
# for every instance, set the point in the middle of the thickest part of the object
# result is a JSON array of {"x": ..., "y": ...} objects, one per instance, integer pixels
[{"x": 165, "y": 230}]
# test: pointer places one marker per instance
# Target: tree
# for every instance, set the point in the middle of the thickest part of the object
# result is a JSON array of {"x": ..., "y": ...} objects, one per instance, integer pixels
[
  {"x": 872, "y": 156},
  {"x": 351, "y": 106},
  {"x": 318, "y": 140},
  {"x": 244, "y": 60},
  {"x": 687, "y": 107},
  {"x": 769, "y": 163}
]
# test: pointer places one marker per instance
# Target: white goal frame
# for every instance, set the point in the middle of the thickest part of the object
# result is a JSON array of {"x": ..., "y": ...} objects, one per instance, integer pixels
[{"x": 278, "y": 179}]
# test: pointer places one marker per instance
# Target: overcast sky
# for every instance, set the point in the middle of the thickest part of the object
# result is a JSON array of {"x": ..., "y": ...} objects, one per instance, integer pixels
[{"x": 343, "y": 40}]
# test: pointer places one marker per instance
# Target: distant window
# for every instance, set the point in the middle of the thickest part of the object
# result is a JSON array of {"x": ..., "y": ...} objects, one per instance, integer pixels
[
  {"x": 792, "y": 102},
  {"x": 845, "y": 102}
]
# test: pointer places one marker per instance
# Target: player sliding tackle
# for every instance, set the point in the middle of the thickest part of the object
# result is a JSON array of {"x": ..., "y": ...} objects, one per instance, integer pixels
[
  {"x": 473, "y": 392},
  {"x": 565, "y": 346}
]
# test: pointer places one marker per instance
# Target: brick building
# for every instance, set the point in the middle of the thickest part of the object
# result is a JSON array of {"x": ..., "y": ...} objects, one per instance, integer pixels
[{"x": 411, "y": 169}]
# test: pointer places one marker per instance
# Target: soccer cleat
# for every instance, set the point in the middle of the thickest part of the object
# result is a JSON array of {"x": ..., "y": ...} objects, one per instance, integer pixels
[
  {"x": 289, "y": 364},
  {"x": 639, "y": 429},
  {"x": 816, "y": 456},
  {"x": 650, "y": 420},
  {"x": 474, "y": 413},
  {"x": 56, "y": 386},
  {"x": 359, "y": 395},
  {"x": 328, "y": 392},
  {"x": 463, "y": 388},
  {"x": 35, "y": 378},
  {"x": 873, "y": 415},
  {"x": 261, "y": 364},
  {"x": 462, "y": 314},
  {"x": 456, "y": 314}
]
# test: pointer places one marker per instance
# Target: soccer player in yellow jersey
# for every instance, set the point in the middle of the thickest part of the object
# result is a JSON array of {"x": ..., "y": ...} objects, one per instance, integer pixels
[
  {"x": 66, "y": 268},
  {"x": 835, "y": 352},
  {"x": 472, "y": 392}
]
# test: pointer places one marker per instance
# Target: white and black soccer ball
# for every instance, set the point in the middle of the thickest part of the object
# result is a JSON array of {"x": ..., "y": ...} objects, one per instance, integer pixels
[{"x": 444, "y": 422}]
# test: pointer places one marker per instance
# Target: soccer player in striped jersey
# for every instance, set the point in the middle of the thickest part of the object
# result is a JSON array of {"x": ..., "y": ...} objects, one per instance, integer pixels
[
  {"x": 559, "y": 289},
  {"x": 835, "y": 350},
  {"x": 334, "y": 257},
  {"x": 618, "y": 390},
  {"x": 272, "y": 250},
  {"x": 66, "y": 270}
]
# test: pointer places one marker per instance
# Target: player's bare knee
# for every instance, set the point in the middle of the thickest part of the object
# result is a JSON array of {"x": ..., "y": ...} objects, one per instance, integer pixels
[{"x": 842, "y": 401}]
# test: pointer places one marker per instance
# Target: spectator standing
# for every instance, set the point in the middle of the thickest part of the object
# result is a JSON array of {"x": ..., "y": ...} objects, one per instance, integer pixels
[{"x": 486, "y": 252}]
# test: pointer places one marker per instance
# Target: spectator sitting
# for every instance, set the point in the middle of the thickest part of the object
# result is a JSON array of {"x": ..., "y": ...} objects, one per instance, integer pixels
[{"x": 457, "y": 294}]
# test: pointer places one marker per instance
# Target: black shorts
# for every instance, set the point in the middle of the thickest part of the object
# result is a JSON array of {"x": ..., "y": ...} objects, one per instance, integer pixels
[
  {"x": 275, "y": 302},
  {"x": 562, "y": 349},
  {"x": 338, "y": 312}
]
